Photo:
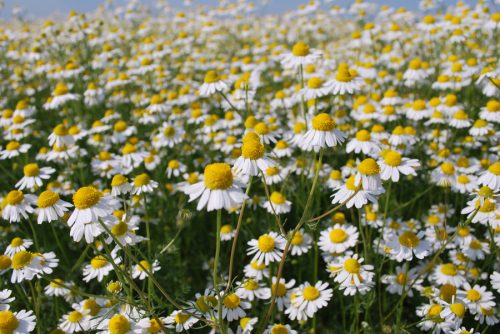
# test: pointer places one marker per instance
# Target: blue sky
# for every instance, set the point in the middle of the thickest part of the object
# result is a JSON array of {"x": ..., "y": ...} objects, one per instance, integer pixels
[{"x": 44, "y": 8}]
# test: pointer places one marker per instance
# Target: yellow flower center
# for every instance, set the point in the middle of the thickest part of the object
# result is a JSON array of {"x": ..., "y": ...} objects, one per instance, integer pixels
[
  {"x": 232, "y": 301},
  {"x": 174, "y": 164},
  {"x": 343, "y": 74},
  {"x": 154, "y": 326},
  {"x": 56, "y": 283},
  {"x": 392, "y": 158},
  {"x": 363, "y": 135},
  {"x": 298, "y": 239},
  {"x": 488, "y": 206},
  {"x": 493, "y": 106},
  {"x": 244, "y": 322},
  {"x": 169, "y": 131},
  {"x": 463, "y": 179},
  {"x": 119, "y": 229},
  {"x": 473, "y": 295},
  {"x": 98, "y": 262},
  {"x": 449, "y": 269},
  {"x": 128, "y": 149},
  {"x": 261, "y": 128},
  {"x": 271, "y": 171},
  {"x": 447, "y": 292},
  {"x": 460, "y": 115},
  {"x": 314, "y": 83},
  {"x": 14, "y": 197},
  {"x": 409, "y": 239},
  {"x": 458, "y": 309},
  {"x": 279, "y": 289},
  {"x": 143, "y": 264},
  {"x": 350, "y": 185},
  {"x": 118, "y": 180},
  {"x": 252, "y": 149},
  {"x": 16, "y": 242},
  {"x": 61, "y": 89},
  {"x": 5, "y": 262},
  {"x": 281, "y": 145},
  {"x": 12, "y": 146},
  {"x": 86, "y": 197},
  {"x": 434, "y": 310},
  {"x": 118, "y": 324},
  {"x": 495, "y": 168},
  {"x": 75, "y": 316},
  {"x": 47, "y": 198},
  {"x": 8, "y": 322},
  {"x": 257, "y": 266},
  {"x": 266, "y": 243},
  {"x": 323, "y": 122},
  {"x": 352, "y": 266},
  {"x": 401, "y": 278},
  {"x": 250, "y": 284},
  {"x": 21, "y": 259},
  {"x": 141, "y": 180},
  {"x": 211, "y": 77},
  {"x": 277, "y": 198},
  {"x": 310, "y": 293},
  {"x": 475, "y": 244},
  {"x": 338, "y": 236},
  {"x": 60, "y": 130},
  {"x": 447, "y": 168},
  {"x": 156, "y": 99},
  {"x": 218, "y": 176},
  {"x": 300, "y": 49},
  {"x": 181, "y": 318},
  {"x": 120, "y": 126},
  {"x": 279, "y": 329},
  {"x": 368, "y": 167}
]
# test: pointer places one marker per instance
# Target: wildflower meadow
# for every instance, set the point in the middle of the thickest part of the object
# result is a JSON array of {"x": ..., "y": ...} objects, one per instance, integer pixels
[{"x": 227, "y": 169}]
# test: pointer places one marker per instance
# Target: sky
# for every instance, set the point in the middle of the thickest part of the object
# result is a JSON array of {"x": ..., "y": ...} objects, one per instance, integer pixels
[{"x": 45, "y": 8}]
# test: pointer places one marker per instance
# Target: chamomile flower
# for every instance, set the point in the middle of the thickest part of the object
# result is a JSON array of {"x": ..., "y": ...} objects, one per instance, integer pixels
[
  {"x": 311, "y": 298},
  {"x": 354, "y": 195},
  {"x": 212, "y": 84},
  {"x": 120, "y": 185},
  {"x": 21, "y": 322},
  {"x": 5, "y": 299},
  {"x": 491, "y": 177},
  {"x": 141, "y": 270},
  {"x": 217, "y": 190},
  {"x": 233, "y": 307},
  {"x": 402, "y": 281},
  {"x": 323, "y": 134},
  {"x": 124, "y": 323},
  {"x": 60, "y": 136},
  {"x": 142, "y": 184},
  {"x": 267, "y": 248},
  {"x": 338, "y": 238},
  {"x": 252, "y": 160},
  {"x": 99, "y": 267},
  {"x": 33, "y": 176},
  {"x": 251, "y": 289},
  {"x": 13, "y": 149},
  {"x": 352, "y": 275},
  {"x": 448, "y": 273},
  {"x": 74, "y": 321},
  {"x": 180, "y": 320},
  {"x": 25, "y": 266},
  {"x": 256, "y": 270},
  {"x": 345, "y": 81},
  {"x": 18, "y": 244},
  {"x": 362, "y": 142},
  {"x": 279, "y": 328},
  {"x": 300, "y": 243},
  {"x": 300, "y": 56},
  {"x": 277, "y": 204},
  {"x": 409, "y": 244},
  {"x": 56, "y": 287},
  {"x": 392, "y": 164},
  {"x": 50, "y": 207},
  {"x": 16, "y": 205}
]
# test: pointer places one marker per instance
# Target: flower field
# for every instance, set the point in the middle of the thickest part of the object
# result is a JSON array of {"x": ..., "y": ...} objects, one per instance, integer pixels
[{"x": 226, "y": 170}]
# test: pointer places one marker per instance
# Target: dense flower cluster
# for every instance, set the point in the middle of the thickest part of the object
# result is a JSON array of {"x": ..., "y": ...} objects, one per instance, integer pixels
[{"x": 216, "y": 169}]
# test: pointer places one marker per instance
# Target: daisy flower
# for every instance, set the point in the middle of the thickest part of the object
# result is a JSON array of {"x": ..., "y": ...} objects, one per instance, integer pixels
[
  {"x": 74, "y": 321},
  {"x": 279, "y": 328},
  {"x": 90, "y": 206},
  {"x": 476, "y": 297},
  {"x": 300, "y": 56},
  {"x": 252, "y": 160},
  {"x": 277, "y": 204},
  {"x": 13, "y": 149},
  {"x": 233, "y": 307},
  {"x": 352, "y": 275},
  {"x": 212, "y": 84},
  {"x": 401, "y": 281},
  {"x": 491, "y": 177},
  {"x": 56, "y": 288},
  {"x": 60, "y": 136},
  {"x": 301, "y": 243},
  {"x": 448, "y": 273},
  {"x": 16, "y": 205},
  {"x": 354, "y": 195},
  {"x": 267, "y": 248},
  {"x": 362, "y": 142},
  {"x": 180, "y": 321},
  {"x": 217, "y": 190},
  {"x": 25, "y": 266},
  {"x": 322, "y": 135},
  {"x": 21, "y": 322},
  {"x": 251, "y": 289},
  {"x": 5, "y": 299},
  {"x": 99, "y": 267},
  {"x": 282, "y": 292},
  {"x": 33, "y": 176},
  {"x": 256, "y": 270},
  {"x": 368, "y": 175},
  {"x": 120, "y": 185},
  {"x": 338, "y": 238},
  {"x": 140, "y": 272},
  {"x": 311, "y": 298},
  {"x": 227, "y": 232},
  {"x": 345, "y": 81},
  {"x": 393, "y": 164},
  {"x": 50, "y": 207},
  {"x": 409, "y": 244},
  {"x": 123, "y": 323},
  {"x": 142, "y": 184}
]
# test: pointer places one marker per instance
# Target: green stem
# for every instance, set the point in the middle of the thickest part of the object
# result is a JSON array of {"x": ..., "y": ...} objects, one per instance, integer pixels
[{"x": 216, "y": 265}]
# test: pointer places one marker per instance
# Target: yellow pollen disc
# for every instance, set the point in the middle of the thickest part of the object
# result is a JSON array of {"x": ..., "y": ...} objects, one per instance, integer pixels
[
  {"x": 475, "y": 244},
  {"x": 495, "y": 168},
  {"x": 409, "y": 239},
  {"x": 310, "y": 293},
  {"x": 181, "y": 318},
  {"x": 120, "y": 126},
  {"x": 156, "y": 99},
  {"x": 21, "y": 259},
  {"x": 154, "y": 326},
  {"x": 458, "y": 309},
  {"x": 363, "y": 135},
  {"x": 338, "y": 236},
  {"x": 119, "y": 229},
  {"x": 493, "y": 106},
  {"x": 16, "y": 242},
  {"x": 141, "y": 180},
  {"x": 279, "y": 329},
  {"x": 300, "y": 49},
  {"x": 314, "y": 83},
  {"x": 368, "y": 167},
  {"x": 449, "y": 269},
  {"x": 143, "y": 264},
  {"x": 75, "y": 316},
  {"x": 128, "y": 149},
  {"x": 463, "y": 231},
  {"x": 460, "y": 115},
  {"x": 261, "y": 128},
  {"x": 118, "y": 180},
  {"x": 5, "y": 262},
  {"x": 488, "y": 206},
  {"x": 265, "y": 243},
  {"x": 8, "y": 322},
  {"x": 218, "y": 176},
  {"x": 281, "y": 144},
  {"x": 211, "y": 77},
  {"x": 434, "y": 311},
  {"x": 119, "y": 324},
  {"x": 61, "y": 89},
  {"x": 169, "y": 131},
  {"x": 192, "y": 178},
  {"x": 392, "y": 158},
  {"x": 277, "y": 198},
  {"x": 226, "y": 229},
  {"x": 252, "y": 149},
  {"x": 447, "y": 168},
  {"x": 244, "y": 322},
  {"x": 232, "y": 301},
  {"x": 343, "y": 74},
  {"x": 250, "y": 284},
  {"x": 257, "y": 266},
  {"x": 298, "y": 239},
  {"x": 473, "y": 295},
  {"x": 98, "y": 262},
  {"x": 60, "y": 130},
  {"x": 401, "y": 278},
  {"x": 447, "y": 292},
  {"x": 352, "y": 266},
  {"x": 463, "y": 179},
  {"x": 174, "y": 164},
  {"x": 350, "y": 184},
  {"x": 14, "y": 197},
  {"x": 323, "y": 122},
  {"x": 57, "y": 283},
  {"x": 47, "y": 198},
  {"x": 86, "y": 197},
  {"x": 271, "y": 171}
]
